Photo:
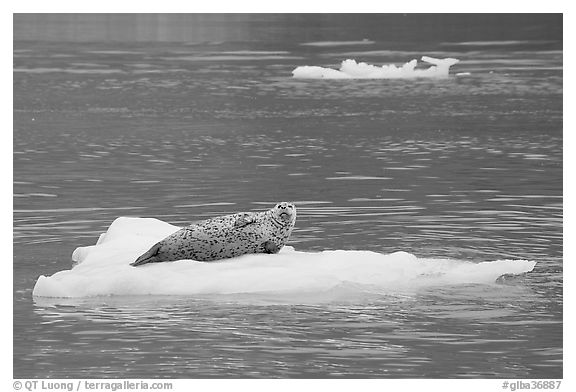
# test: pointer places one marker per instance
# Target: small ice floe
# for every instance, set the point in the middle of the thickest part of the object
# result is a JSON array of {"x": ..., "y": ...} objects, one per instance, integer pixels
[
  {"x": 350, "y": 69},
  {"x": 104, "y": 269}
]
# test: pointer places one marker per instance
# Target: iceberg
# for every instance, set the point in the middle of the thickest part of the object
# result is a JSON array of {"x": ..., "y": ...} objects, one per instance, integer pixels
[
  {"x": 350, "y": 69},
  {"x": 103, "y": 270}
]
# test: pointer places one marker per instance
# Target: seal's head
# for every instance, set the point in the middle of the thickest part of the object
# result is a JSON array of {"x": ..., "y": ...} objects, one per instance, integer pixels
[{"x": 284, "y": 213}]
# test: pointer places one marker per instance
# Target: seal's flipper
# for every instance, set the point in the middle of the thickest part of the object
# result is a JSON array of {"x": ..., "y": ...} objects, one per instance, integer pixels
[
  {"x": 149, "y": 257},
  {"x": 270, "y": 247}
]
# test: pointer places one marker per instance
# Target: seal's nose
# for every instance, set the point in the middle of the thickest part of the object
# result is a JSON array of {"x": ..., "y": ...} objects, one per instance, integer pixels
[{"x": 286, "y": 210}]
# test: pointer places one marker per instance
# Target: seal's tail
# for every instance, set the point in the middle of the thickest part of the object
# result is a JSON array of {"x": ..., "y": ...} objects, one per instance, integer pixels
[{"x": 151, "y": 256}]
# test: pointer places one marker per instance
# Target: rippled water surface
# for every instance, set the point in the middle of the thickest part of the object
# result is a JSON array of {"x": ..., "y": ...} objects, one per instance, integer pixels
[{"x": 468, "y": 167}]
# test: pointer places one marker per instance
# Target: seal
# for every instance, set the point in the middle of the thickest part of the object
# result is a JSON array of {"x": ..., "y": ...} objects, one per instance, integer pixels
[{"x": 226, "y": 237}]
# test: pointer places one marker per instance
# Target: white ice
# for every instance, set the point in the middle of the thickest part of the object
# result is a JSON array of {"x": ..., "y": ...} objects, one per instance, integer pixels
[
  {"x": 350, "y": 69},
  {"x": 103, "y": 269}
]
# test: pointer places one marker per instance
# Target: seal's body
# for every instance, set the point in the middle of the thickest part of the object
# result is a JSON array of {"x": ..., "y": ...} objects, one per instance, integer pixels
[{"x": 227, "y": 236}]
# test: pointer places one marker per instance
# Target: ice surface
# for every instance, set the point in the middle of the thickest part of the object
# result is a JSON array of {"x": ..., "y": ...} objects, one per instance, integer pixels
[
  {"x": 103, "y": 269},
  {"x": 350, "y": 69}
]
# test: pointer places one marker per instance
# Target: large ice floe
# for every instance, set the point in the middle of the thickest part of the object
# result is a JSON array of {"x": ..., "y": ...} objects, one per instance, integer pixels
[
  {"x": 103, "y": 269},
  {"x": 350, "y": 69}
]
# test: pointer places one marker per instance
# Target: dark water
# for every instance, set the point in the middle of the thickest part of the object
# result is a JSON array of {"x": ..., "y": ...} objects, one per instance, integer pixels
[{"x": 186, "y": 117}]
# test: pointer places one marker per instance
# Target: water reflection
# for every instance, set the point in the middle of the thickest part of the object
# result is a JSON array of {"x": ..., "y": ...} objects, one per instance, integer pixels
[{"x": 378, "y": 337}]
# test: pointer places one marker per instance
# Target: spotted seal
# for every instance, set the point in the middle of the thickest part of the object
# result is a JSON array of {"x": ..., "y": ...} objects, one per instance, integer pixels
[{"x": 226, "y": 236}]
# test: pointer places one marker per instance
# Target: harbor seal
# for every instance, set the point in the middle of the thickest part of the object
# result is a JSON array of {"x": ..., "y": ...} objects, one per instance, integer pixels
[{"x": 226, "y": 237}]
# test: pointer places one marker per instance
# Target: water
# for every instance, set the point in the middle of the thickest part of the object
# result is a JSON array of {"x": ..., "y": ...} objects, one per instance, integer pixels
[{"x": 156, "y": 118}]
